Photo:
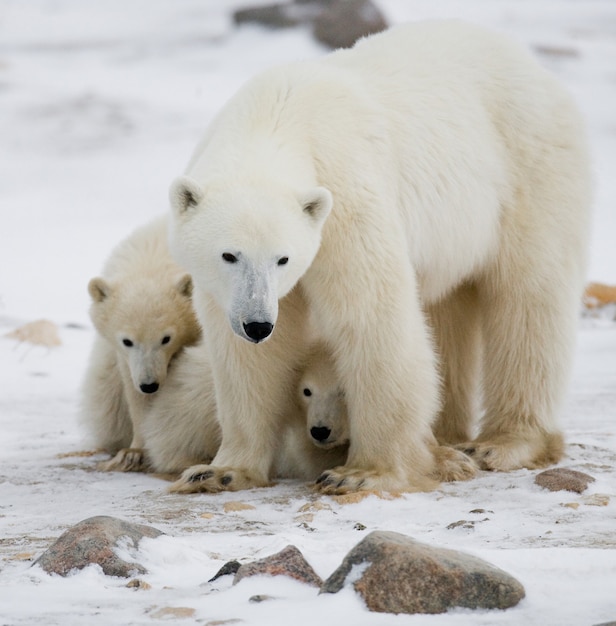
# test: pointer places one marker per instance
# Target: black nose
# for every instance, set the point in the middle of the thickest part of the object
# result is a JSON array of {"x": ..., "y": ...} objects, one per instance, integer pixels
[
  {"x": 148, "y": 387},
  {"x": 258, "y": 331},
  {"x": 320, "y": 433}
]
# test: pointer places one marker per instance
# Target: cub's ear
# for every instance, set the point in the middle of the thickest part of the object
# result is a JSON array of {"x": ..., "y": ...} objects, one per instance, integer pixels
[
  {"x": 99, "y": 289},
  {"x": 185, "y": 286},
  {"x": 317, "y": 204},
  {"x": 185, "y": 193}
]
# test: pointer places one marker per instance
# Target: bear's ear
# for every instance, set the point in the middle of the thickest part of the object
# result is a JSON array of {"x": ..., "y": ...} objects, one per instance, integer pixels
[
  {"x": 99, "y": 289},
  {"x": 317, "y": 204},
  {"x": 185, "y": 286},
  {"x": 185, "y": 193}
]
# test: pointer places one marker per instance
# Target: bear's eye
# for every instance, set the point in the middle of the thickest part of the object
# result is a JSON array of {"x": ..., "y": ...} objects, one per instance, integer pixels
[
  {"x": 229, "y": 258},
  {"x": 307, "y": 392},
  {"x": 166, "y": 339},
  {"x": 127, "y": 342},
  {"x": 283, "y": 261}
]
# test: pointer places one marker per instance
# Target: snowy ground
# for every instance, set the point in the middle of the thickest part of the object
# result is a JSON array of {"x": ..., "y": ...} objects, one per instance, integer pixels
[{"x": 101, "y": 104}]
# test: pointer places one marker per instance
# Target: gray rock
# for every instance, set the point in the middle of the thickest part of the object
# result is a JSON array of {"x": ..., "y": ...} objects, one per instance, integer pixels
[
  {"x": 563, "y": 479},
  {"x": 343, "y": 22},
  {"x": 288, "y": 562},
  {"x": 335, "y": 23},
  {"x": 396, "y": 574},
  {"x": 93, "y": 541}
]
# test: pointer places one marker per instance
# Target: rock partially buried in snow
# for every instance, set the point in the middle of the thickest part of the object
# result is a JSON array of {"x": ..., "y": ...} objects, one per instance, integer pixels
[
  {"x": 563, "y": 479},
  {"x": 94, "y": 541},
  {"x": 288, "y": 562},
  {"x": 396, "y": 574}
]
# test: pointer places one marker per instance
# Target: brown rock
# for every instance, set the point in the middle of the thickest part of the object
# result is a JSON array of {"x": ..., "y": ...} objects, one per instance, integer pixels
[
  {"x": 396, "y": 574},
  {"x": 93, "y": 541},
  {"x": 288, "y": 562},
  {"x": 343, "y": 22},
  {"x": 563, "y": 479}
]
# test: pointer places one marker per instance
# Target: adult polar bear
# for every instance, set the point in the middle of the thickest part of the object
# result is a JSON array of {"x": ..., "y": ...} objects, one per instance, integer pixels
[{"x": 433, "y": 169}]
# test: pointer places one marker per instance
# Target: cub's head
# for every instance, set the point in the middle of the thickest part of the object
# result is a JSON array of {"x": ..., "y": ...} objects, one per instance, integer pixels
[
  {"x": 322, "y": 397},
  {"x": 147, "y": 321},
  {"x": 247, "y": 245}
]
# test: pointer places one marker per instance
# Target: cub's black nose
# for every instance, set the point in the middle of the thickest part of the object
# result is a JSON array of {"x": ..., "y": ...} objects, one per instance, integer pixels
[
  {"x": 148, "y": 387},
  {"x": 320, "y": 433},
  {"x": 258, "y": 331}
]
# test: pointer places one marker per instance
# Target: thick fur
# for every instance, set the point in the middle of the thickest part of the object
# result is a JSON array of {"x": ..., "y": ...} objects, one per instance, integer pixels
[
  {"x": 423, "y": 197},
  {"x": 142, "y": 311}
]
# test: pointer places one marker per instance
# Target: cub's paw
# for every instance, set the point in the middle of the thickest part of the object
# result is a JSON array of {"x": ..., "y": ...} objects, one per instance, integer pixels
[
  {"x": 212, "y": 479},
  {"x": 126, "y": 460},
  {"x": 453, "y": 465}
]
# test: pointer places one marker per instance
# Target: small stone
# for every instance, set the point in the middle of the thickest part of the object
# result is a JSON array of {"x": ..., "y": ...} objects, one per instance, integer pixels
[
  {"x": 93, "y": 541},
  {"x": 571, "y": 505},
  {"x": 260, "y": 598},
  {"x": 597, "y": 499},
  {"x": 230, "y": 567},
  {"x": 396, "y": 574},
  {"x": 359, "y": 526},
  {"x": 229, "y": 507},
  {"x": 288, "y": 562},
  {"x": 563, "y": 479},
  {"x": 173, "y": 612},
  {"x": 137, "y": 583}
]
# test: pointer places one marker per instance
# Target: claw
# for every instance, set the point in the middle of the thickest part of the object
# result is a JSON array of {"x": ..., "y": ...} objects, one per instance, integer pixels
[{"x": 201, "y": 476}]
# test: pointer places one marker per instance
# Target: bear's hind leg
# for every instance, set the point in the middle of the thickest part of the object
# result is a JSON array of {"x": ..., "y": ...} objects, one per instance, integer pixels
[{"x": 455, "y": 322}]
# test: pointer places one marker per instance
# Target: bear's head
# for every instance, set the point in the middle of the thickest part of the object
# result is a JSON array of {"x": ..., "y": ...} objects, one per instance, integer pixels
[
  {"x": 322, "y": 398},
  {"x": 147, "y": 322},
  {"x": 246, "y": 245}
]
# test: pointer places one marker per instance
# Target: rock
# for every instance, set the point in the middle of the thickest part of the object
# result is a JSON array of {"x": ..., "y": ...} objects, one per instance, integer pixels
[
  {"x": 230, "y": 567},
  {"x": 282, "y": 15},
  {"x": 563, "y": 479},
  {"x": 288, "y": 562},
  {"x": 396, "y": 574},
  {"x": 93, "y": 541},
  {"x": 335, "y": 23},
  {"x": 343, "y": 22}
]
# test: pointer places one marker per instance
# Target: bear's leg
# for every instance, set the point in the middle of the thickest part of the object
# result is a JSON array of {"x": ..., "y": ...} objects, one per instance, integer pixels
[
  {"x": 455, "y": 321},
  {"x": 104, "y": 411},
  {"x": 255, "y": 394},
  {"x": 131, "y": 459},
  {"x": 371, "y": 317},
  {"x": 529, "y": 322}
]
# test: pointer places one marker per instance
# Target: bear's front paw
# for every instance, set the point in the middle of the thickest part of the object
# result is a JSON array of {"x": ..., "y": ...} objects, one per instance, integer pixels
[
  {"x": 341, "y": 480},
  {"x": 212, "y": 479},
  {"x": 126, "y": 460},
  {"x": 452, "y": 464}
]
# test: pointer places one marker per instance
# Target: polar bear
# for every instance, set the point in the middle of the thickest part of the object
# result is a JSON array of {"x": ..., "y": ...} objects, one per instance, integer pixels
[
  {"x": 142, "y": 311},
  {"x": 322, "y": 399},
  {"x": 432, "y": 170}
]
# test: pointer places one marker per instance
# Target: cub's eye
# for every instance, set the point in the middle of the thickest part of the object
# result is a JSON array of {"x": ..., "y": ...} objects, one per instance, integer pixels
[
  {"x": 166, "y": 339},
  {"x": 127, "y": 342},
  {"x": 283, "y": 260},
  {"x": 307, "y": 392},
  {"x": 229, "y": 258}
]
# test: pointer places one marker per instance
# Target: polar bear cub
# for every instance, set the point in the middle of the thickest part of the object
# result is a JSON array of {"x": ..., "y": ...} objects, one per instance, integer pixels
[
  {"x": 142, "y": 311},
  {"x": 435, "y": 168}
]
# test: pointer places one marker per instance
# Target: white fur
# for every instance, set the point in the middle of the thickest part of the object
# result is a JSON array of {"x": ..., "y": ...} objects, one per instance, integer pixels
[
  {"x": 142, "y": 311},
  {"x": 456, "y": 185}
]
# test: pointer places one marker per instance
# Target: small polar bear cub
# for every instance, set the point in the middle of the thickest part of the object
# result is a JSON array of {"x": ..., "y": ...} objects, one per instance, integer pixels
[
  {"x": 323, "y": 402},
  {"x": 142, "y": 311}
]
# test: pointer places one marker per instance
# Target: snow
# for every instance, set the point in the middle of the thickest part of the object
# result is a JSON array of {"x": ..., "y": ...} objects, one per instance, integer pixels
[{"x": 101, "y": 106}]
